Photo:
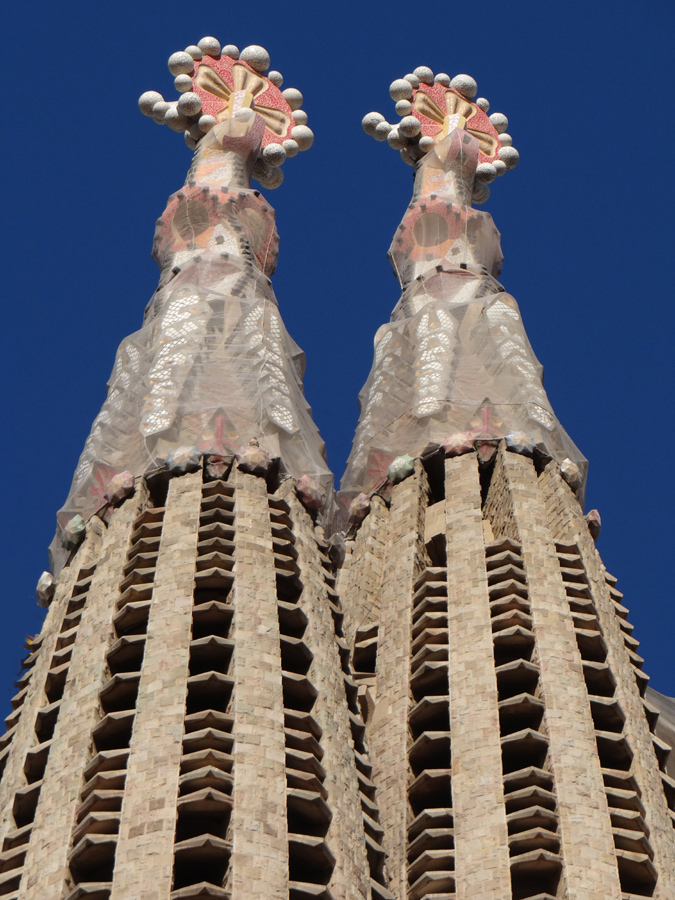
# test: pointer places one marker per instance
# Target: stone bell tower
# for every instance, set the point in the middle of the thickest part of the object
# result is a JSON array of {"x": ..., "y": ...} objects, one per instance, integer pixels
[
  {"x": 228, "y": 702},
  {"x": 186, "y": 725},
  {"x": 512, "y": 747}
]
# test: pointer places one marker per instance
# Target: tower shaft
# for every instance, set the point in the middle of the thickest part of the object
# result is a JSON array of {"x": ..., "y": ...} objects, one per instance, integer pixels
[{"x": 509, "y": 739}]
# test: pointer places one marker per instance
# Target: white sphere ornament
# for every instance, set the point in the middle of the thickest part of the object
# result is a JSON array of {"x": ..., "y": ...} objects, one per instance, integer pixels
[
  {"x": 181, "y": 63},
  {"x": 190, "y": 141},
  {"x": 159, "y": 110},
  {"x": 509, "y": 156},
  {"x": 396, "y": 140},
  {"x": 466, "y": 85},
  {"x": 276, "y": 78},
  {"x": 182, "y": 83},
  {"x": 230, "y": 50},
  {"x": 486, "y": 173},
  {"x": 499, "y": 122},
  {"x": 412, "y": 79},
  {"x": 299, "y": 116},
  {"x": 293, "y": 97},
  {"x": 400, "y": 89},
  {"x": 370, "y": 122},
  {"x": 426, "y": 143},
  {"x": 505, "y": 140},
  {"x": 147, "y": 101},
  {"x": 291, "y": 147},
  {"x": 483, "y": 104},
  {"x": 481, "y": 192},
  {"x": 303, "y": 136},
  {"x": 407, "y": 158},
  {"x": 442, "y": 78},
  {"x": 275, "y": 179},
  {"x": 174, "y": 120},
  {"x": 274, "y": 155},
  {"x": 382, "y": 131},
  {"x": 409, "y": 126},
  {"x": 206, "y": 123},
  {"x": 194, "y": 51},
  {"x": 210, "y": 46},
  {"x": 268, "y": 177},
  {"x": 196, "y": 132},
  {"x": 189, "y": 104},
  {"x": 404, "y": 107},
  {"x": 257, "y": 57},
  {"x": 499, "y": 166},
  {"x": 424, "y": 73}
]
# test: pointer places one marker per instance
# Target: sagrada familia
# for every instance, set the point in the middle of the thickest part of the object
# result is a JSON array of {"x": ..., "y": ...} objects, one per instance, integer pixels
[{"x": 251, "y": 687}]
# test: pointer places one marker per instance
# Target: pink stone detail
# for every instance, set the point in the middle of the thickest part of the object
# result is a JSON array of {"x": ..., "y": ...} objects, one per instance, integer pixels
[
  {"x": 217, "y": 466},
  {"x": 594, "y": 523},
  {"x": 486, "y": 450},
  {"x": 311, "y": 493},
  {"x": 458, "y": 443},
  {"x": 270, "y": 97},
  {"x": 254, "y": 460},
  {"x": 120, "y": 487}
]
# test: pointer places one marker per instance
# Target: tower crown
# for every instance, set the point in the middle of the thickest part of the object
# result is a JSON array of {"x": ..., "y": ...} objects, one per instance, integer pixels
[
  {"x": 220, "y": 85},
  {"x": 431, "y": 108}
]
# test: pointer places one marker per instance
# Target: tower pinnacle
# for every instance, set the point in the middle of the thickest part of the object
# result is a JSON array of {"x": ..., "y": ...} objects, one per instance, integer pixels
[
  {"x": 212, "y": 365},
  {"x": 454, "y": 365},
  {"x": 218, "y": 84},
  {"x": 431, "y": 107}
]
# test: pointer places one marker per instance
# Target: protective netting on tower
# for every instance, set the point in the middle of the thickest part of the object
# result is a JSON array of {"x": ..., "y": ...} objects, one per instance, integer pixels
[
  {"x": 454, "y": 364},
  {"x": 213, "y": 366},
  {"x": 460, "y": 364}
]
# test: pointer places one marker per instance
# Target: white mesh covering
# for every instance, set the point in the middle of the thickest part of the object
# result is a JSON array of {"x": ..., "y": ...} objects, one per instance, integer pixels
[
  {"x": 213, "y": 365},
  {"x": 455, "y": 356}
]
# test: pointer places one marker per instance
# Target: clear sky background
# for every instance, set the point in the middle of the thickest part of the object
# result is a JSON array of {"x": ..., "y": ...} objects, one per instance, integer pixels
[{"x": 586, "y": 222}]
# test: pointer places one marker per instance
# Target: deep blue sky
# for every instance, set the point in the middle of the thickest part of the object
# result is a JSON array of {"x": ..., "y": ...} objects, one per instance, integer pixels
[{"x": 586, "y": 224}]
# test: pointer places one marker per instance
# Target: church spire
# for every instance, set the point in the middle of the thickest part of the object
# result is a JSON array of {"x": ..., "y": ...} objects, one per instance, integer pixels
[
  {"x": 212, "y": 366},
  {"x": 454, "y": 364}
]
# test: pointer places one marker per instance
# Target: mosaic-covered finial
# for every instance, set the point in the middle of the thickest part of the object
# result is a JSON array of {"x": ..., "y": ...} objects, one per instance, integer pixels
[
  {"x": 430, "y": 107},
  {"x": 218, "y": 83}
]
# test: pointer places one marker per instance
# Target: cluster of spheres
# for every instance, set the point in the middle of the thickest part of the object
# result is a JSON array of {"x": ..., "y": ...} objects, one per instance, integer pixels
[
  {"x": 407, "y": 135},
  {"x": 186, "y": 114}
]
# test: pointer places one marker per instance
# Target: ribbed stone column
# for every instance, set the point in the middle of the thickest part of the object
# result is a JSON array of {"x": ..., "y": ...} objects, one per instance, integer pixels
[
  {"x": 389, "y": 735},
  {"x": 46, "y": 865},
  {"x": 145, "y": 856},
  {"x": 360, "y": 578},
  {"x": 567, "y": 517},
  {"x": 481, "y": 840},
  {"x": 24, "y": 737},
  {"x": 259, "y": 869},
  {"x": 345, "y": 837},
  {"x": 587, "y": 844}
]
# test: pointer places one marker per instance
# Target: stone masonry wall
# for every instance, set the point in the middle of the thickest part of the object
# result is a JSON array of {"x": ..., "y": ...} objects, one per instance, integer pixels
[
  {"x": 46, "y": 866},
  {"x": 345, "y": 836},
  {"x": 259, "y": 868},
  {"x": 498, "y": 508},
  {"x": 23, "y": 738},
  {"x": 587, "y": 844},
  {"x": 481, "y": 840},
  {"x": 389, "y": 735},
  {"x": 360, "y": 578},
  {"x": 566, "y": 517},
  {"x": 144, "y": 858}
]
